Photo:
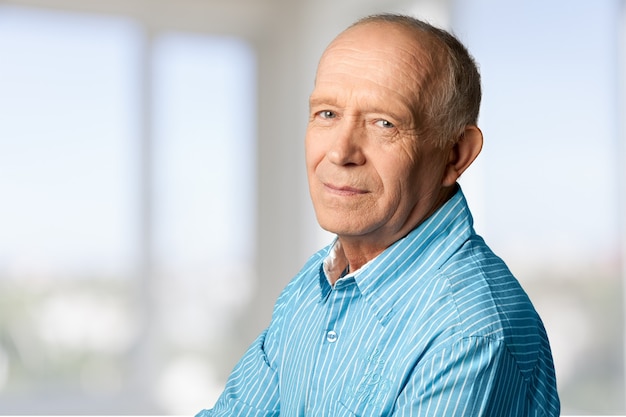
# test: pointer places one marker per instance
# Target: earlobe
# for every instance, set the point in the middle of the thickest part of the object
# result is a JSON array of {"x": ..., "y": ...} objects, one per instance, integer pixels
[{"x": 463, "y": 153}]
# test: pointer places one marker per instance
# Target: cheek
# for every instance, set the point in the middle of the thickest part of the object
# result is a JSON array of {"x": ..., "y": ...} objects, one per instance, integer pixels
[
  {"x": 397, "y": 177},
  {"x": 425, "y": 180},
  {"x": 408, "y": 182}
]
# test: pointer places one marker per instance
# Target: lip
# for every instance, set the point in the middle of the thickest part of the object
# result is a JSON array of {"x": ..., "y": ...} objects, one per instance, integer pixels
[{"x": 344, "y": 190}]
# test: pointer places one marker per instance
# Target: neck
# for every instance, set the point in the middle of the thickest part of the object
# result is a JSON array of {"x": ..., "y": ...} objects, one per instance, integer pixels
[{"x": 357, "y": 253}]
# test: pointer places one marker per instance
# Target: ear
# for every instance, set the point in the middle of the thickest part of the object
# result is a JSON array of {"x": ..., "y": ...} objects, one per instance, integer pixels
[{"x": 462, "y": 154}]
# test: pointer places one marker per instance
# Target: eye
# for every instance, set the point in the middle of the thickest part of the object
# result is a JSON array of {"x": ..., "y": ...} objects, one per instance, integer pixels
[
  {"x": 385, "y": 124},
  {"x": 326, "y": 114}
]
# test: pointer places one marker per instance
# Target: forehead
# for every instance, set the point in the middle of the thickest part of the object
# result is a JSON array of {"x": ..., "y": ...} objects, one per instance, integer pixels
[{"x": 375, "y": 59}]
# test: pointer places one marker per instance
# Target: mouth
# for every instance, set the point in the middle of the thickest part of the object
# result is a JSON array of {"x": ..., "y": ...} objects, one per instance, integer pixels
[{"x": 343, "y": 190}]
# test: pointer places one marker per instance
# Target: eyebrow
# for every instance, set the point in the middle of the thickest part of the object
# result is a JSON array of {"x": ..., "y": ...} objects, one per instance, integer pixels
[{"x": 320, "y": 100}]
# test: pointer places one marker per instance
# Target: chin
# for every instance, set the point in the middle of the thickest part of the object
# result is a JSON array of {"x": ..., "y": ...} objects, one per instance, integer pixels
[
  {"x": 332, "y": 225},
  {"x": 340, "y": 227}
]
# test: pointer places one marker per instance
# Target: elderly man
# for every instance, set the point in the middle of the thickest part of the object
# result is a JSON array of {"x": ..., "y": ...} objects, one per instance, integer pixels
[{"x": 407, "y": 312}]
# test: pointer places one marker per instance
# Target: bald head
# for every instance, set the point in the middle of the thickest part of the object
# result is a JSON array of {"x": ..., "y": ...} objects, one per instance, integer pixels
[{"x": 445, "y": 76}]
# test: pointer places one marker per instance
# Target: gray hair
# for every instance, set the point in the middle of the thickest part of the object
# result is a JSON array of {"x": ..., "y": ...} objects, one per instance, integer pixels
[{"x": 451, "y": 90}]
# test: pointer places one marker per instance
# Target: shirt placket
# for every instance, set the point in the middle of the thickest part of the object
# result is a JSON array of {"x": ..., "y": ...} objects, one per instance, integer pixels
[{"x": 334, "y": 333}]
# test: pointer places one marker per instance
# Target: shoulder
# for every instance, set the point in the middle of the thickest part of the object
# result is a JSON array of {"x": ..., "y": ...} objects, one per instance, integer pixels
[
  {"x": 489, "y": 300},
  {"x": 491, "y": 309},
  {"x": 490, "y": 303}
]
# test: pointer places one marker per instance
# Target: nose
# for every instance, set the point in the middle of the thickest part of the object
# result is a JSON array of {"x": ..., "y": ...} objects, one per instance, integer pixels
[{"x": 346, "y": 147}]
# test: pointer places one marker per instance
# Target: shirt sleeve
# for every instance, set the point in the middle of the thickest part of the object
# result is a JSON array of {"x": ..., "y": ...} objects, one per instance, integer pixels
[
  {"x": 252, "y": 388},
  {"x": 475, "y": 376}
]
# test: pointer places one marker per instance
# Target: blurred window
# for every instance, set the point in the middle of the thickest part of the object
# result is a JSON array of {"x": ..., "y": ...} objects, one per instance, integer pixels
[
  {"x": 204, "y": 229},
  {"x": 126, "y": 212}
]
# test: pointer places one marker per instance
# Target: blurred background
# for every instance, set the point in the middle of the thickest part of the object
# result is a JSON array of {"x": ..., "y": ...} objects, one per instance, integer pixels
[{"x": 153, "y": 200}]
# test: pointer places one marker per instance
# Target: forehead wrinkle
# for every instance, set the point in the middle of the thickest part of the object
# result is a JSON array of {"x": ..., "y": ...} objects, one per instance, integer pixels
[
  {"x": 408, "y": 60},
  {"x": 390, "y": 66}
]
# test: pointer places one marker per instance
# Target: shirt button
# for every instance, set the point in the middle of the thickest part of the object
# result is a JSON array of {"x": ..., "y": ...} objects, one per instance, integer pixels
[{"x": 331, "y": 336}]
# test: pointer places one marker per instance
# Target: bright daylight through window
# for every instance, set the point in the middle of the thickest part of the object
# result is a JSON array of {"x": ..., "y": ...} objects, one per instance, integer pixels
[{"x": 127, "y": 202}]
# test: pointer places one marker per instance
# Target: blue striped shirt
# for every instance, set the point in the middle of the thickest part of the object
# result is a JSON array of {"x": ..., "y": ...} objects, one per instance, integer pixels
[{"x": 436, "y": 325}]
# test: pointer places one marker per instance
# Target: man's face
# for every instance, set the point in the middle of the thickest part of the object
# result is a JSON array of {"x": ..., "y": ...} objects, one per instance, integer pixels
[{"x": 371, "y": 178}]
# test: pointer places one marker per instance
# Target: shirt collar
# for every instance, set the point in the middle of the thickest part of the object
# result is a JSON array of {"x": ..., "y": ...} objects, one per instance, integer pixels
[
  {"x": 335, "y": 262},
  {"x": 423, "y": 250}
]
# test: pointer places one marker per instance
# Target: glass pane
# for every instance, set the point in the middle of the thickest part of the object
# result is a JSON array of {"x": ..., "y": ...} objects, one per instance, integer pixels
[
  {"x": 204, "y": 208},
  {"x": 67, "y": 211}
]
